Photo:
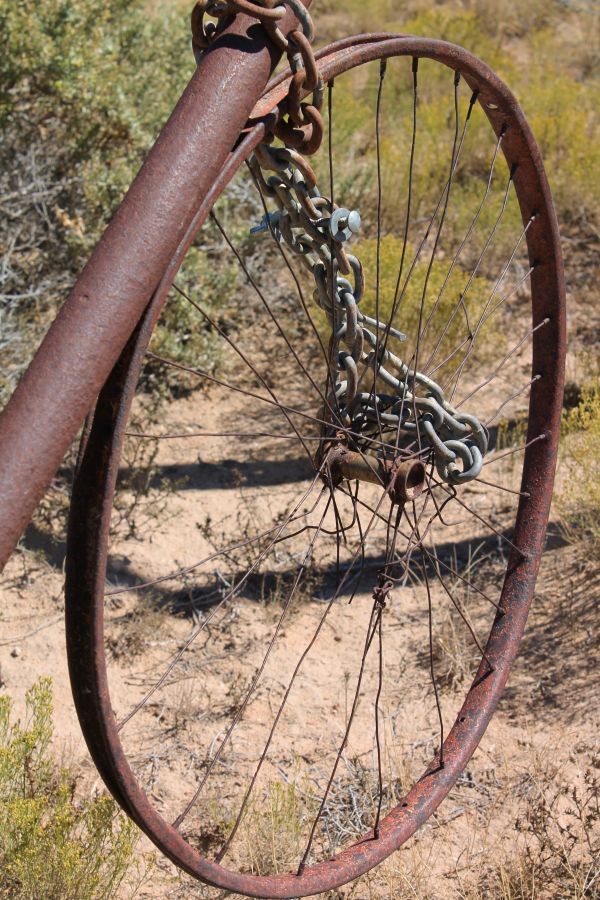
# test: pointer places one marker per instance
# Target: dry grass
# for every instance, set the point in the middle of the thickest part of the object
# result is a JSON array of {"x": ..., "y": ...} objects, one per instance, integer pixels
[
  {"x": 579, "y": 499},
  {"x": 549, "y": 847},
  {"x": 557, "y": 846},
  {"x": 536, "y": 834}
]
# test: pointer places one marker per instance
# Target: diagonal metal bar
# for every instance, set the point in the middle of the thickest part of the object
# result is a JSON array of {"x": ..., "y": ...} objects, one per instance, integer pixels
[{"x": 93, "y": 327}]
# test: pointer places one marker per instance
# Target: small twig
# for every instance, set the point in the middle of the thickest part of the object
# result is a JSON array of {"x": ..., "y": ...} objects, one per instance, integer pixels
[{"x": 23, "y": 637}]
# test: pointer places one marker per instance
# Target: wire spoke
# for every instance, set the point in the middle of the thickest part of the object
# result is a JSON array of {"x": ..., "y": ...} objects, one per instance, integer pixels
[
  {"x": 200, "y": 373},
  {"x": 442, "y": 199},
  {"x": 238, "y": 545},
  {"x": 371, "y": 630},
  {"x": 521, "y": 449},
  {"x": 242, "y": 435},
  {"x": 333, "y": 583},
  {"x": 482, "y": 319},
  {"x": 267, "y": 307},
  {"x": 202, "y": 626},
  {"x": 431, "y": 662},
  {"x": 516, "y": 394},
  {"x": 282, "y": 706},
  {"x": 382, "y": 72},
  {"x": 498, "y": 370},
  {"x": 243, "y": 706},
  {"x": 461, "y": 301},
  {"x": 482, "y": 519},
  {"x": 242, "y": 355},
  {"x": 468, "y": 234}
]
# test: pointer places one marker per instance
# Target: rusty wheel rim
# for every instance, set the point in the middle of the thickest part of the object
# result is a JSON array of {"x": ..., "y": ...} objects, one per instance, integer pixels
[{"x": 93, "y": 496}]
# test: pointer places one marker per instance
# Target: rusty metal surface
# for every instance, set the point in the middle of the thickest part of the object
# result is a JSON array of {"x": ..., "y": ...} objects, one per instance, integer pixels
[
  {"x": 49, "y": 405},
  {"x": 91, "y": 504},
  {"x": 403, "y": 480},
  {"x": 277, "y": 88},
  {"x": 93, "y": 501}
]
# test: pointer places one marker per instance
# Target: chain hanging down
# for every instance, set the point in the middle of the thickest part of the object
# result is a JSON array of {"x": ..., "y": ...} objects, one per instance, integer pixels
[{"x": 316, "y": 230}]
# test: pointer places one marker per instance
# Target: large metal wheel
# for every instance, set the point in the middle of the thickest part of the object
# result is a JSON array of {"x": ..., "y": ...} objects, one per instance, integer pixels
[{"x": 525, "y": 291}]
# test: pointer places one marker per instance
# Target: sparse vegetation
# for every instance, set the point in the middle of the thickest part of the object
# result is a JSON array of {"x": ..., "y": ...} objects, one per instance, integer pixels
[
  {"x": 76, "y": 117},
  {"x": 273, "y": 831},
  {"x": 558, "y": 846},
  {"x": 55, "y": 844},
  {"x": 552, "y": 850},
  {"x": 579, "y": 498}
]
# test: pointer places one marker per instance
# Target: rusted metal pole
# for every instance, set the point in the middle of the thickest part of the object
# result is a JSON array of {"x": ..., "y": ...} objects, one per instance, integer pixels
[{"x": 60, "y": 386}]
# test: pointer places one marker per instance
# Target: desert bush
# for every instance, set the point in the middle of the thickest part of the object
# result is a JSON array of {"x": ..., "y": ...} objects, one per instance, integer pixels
[
  {"x": 553, "y": 96},
  {"x": 272, "y": 833},
  {"x": 83, "y": 94},
  {"x": 559, "y": 845},
  {"x": 53, "y": 844},
  {"x": 442, "y": 306},
  {"x": 561, "y": 87},
  {"x": 354, "y": 100},
  {"x": 578, "y": 499},
  {"x": 510, "y": 20}
]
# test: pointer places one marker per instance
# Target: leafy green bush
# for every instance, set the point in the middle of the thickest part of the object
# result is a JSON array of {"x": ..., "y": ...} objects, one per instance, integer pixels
[
  {"x": 53, "y": 846},
  {"x": 99, "y": 80},
  {"x": 532, "y": 48},
  {"x": 84, "y": 91}
]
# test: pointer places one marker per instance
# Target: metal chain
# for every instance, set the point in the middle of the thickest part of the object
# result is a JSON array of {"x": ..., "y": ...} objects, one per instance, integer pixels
[
  {"x": 316, "y": 230},
  {"x": 303, "y": 128},
  {"x": 268, "y": 13}
]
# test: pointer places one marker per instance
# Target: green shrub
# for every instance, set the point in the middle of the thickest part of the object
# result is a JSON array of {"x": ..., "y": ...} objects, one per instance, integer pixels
[
  {"x": 442, "y": 302},
  {"x": 84, "y": 91},
  {"x": 100, "y": 80},
  {"x": 53, "y": 845},
  {"x": 578, "y": 498}
]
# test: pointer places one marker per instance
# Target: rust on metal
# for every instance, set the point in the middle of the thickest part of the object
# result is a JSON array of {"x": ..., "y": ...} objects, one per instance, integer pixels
[
  {"x": 94, "y": 488},
  {"x": 96, "y": 321},
  {"x": 402, "y": 479}
]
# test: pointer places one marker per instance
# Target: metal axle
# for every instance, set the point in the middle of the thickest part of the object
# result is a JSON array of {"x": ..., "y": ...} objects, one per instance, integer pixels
[{"x": 402, "y": 479}]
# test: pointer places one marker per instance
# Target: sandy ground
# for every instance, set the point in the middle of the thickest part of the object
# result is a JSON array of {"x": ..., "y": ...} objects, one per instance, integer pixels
[
  {"x": 203, "y": 643},
  {"x": 543, "y": 738}
]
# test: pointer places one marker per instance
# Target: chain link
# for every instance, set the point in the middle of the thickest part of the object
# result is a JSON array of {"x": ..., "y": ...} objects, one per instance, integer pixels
[
  {"x": 303, "y": 129},
  {"x": 316, "y": 230}
]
